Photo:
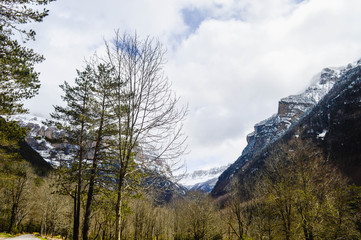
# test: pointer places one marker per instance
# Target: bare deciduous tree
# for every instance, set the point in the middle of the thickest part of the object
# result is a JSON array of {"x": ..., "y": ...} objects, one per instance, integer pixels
[{"x": 149, "y": 122}]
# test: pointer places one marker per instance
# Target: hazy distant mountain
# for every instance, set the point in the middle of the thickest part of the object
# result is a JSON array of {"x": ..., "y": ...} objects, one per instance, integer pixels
[
  {"x": 202, "y": 179},
  {"x": 292, "y": 112}
]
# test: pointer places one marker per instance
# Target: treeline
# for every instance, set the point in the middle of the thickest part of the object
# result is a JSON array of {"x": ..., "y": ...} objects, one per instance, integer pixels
[
  {"x": 298, "y": 195},
  {"x": 32, "y": 204}
]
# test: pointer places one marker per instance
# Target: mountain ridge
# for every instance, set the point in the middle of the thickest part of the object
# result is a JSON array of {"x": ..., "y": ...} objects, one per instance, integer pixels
[
  {"x": 203, "y": 180},
  {"x": 291, "y": 111}
]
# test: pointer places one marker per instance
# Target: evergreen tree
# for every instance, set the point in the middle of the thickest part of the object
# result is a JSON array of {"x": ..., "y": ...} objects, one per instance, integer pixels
[
  {"x": 102, "y": 130},
  {"x": 76, "y": 119},
  {"x": 18, "y": 79}
]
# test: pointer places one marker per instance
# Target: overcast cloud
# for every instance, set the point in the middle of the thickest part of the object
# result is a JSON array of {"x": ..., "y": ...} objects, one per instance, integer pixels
[{"x": 230, "y": 60}]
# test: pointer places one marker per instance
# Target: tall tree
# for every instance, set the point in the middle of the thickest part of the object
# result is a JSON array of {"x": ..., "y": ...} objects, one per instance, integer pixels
[
  {"x": 102, "y": 125},
  {"x": 148, "y": 121},
  {"x": 18, "y": 79},
  {"x": 76, "y": 119}
]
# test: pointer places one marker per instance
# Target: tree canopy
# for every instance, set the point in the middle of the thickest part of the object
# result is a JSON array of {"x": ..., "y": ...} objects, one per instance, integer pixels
[{"x": 18, "y": 78}]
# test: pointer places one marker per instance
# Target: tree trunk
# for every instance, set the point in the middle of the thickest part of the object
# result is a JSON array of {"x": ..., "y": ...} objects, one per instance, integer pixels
[
  {"x": 89, "y": 201},
  {"x": 42, "y": 226},
  {"x": 76, "y": 216},
  {"x": 78, "y": 192},
  {"x": 118, "y": 210},
  {"x": 12, "y": 218},
  {"x": 86, "y": 225}
]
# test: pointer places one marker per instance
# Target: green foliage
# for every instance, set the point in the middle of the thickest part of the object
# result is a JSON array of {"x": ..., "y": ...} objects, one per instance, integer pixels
[
  {"x": 6, "y": 235},
  {"x": 10, "y": 132},
  {"x": 16, "y": 12},
  {"x": 78, "y": 104},
  {"x": 18, "y": 79},
  {"x": 16, "y": 177}
]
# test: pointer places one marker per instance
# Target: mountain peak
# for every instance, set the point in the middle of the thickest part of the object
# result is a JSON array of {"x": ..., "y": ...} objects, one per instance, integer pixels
[{"x": 290, "y": 110}]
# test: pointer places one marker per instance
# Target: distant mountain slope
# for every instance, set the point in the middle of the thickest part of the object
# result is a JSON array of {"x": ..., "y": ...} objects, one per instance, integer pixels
[
  {"x": 44, "y": 145},
  {"x": 202, "y": 179},
  {"x": 292, "y": 117},
  {"x": 41, "y": 167},
  {"x": 206, "y": 186},
  {"x": 45, "y": 140}
]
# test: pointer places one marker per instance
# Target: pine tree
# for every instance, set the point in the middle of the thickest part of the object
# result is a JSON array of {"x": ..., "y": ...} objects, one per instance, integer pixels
[
  {"x": 76, "y": 119},
  {"x": 18, "y": 79},
  {"x": 102, "y": 130}
]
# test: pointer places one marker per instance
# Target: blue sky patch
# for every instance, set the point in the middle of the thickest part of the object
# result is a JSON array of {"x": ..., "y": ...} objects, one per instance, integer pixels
[{"x": 193, "y": 18}]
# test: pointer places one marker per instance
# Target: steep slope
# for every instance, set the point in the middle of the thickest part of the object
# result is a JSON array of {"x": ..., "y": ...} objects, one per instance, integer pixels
[
  {"x": 335, "y": 124},
  {"x": 40, "y": 166},
  {"x": 292, "y": 112},
  {"x": 45, "y": 140}
]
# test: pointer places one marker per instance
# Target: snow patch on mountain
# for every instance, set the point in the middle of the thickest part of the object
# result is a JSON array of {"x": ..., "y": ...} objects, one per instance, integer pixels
[
  {"x": 24, "y": 119},
  {"x": 291, "y": 108},
  {"x": 45, "y": 139},
  {"x": 290, "y": 111},
  {"x": 202, "y": 178}
]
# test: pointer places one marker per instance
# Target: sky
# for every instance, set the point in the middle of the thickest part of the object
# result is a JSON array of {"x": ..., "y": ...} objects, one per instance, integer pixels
[{"x": 231, "y": 61}]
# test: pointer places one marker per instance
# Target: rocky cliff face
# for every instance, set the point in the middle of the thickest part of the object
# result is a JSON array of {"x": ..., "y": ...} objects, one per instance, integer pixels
[
  {"x": 290, "y": 110},
  {"x": 45, "y": 140},
  {"x": 334, "y": 124}
]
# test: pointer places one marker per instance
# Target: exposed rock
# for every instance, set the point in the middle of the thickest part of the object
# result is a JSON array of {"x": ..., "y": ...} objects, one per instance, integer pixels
[{"x": 291, "y": 109}]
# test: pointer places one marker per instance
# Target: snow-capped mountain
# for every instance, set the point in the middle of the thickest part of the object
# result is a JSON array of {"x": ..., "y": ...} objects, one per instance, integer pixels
[
  {"x": 45, "y": 139},
  {"x": 202, "y": 179},
  {"x": 290, "y": 110}
]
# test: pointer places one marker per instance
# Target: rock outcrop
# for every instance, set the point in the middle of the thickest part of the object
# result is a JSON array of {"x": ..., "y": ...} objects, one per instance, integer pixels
[
  {"x": 290, "y": 111},
  {"x": 46, "y": 141}
]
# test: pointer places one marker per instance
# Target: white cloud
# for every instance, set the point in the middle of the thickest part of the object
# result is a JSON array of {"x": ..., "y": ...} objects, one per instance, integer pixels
[{"x": 232, "y": 64}]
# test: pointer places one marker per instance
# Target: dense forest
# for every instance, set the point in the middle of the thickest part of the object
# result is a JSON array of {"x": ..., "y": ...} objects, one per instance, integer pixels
[{"x": 123, "y": 124}]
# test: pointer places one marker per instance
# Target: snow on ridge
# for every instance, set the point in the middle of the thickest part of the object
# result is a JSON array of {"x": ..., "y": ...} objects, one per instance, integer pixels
[
  {"x": 291, "y": 109},
  {"x": 28, "y": 118},
  {"x": 201, "y": 176},
  {"x": 267, "y": 120},
  {"x": 315, "y": 92},
  {"x": 321, "y": 85}
]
